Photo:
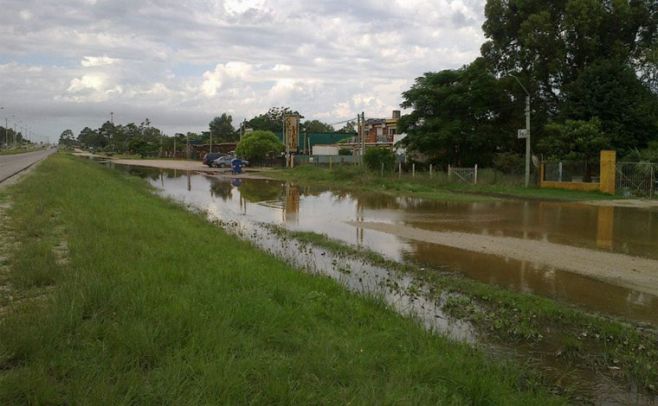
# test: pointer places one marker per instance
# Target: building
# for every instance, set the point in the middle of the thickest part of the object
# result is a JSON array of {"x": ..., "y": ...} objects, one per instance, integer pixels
[{"x": 382, "y": 130}]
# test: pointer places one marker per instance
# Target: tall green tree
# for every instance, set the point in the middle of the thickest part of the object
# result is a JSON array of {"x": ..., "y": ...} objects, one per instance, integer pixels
[
  {"x": 612, "y": 93},
  {"x": 461, "y": 116},
  {"x": 270, "y": 121},
  {"x": 221, "y": 128},
  {"x": 67, "y": 139},
  {"x": 257, "y": 145},
  {"x": 552, "y": 42},
  {"x": 316, "y": 126}
]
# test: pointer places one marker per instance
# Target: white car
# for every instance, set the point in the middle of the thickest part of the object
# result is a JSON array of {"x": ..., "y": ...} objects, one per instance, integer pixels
[{"x": 225, "y": 161}]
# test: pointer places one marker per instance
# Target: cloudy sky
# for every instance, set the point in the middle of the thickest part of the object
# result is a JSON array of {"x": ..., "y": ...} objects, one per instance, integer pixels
[{"x": 69, "y": 63}]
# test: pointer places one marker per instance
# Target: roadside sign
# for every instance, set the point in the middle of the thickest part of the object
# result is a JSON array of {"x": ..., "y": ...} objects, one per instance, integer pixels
[{"x": 522, "y": 134}]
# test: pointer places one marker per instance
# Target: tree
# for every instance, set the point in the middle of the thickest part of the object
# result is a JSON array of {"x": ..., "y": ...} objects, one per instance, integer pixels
[
  {"x": 270, "y": 121},
  {"x": 67, "y": 139},
  {"x": 461, "y": 116},
  {"x": 612, "y": 93},
  {"x": 374, "y": 158},
  {"x": 257, "y": 145},
  {"x": 89, "y": 138},
  {"x": 348, "y": 128},
  {"x": 221, "y": 128},
  {"x": 316, "y": 126},
  {"x": 552, "y": 42},
  {"x": 575, "y": 140}
]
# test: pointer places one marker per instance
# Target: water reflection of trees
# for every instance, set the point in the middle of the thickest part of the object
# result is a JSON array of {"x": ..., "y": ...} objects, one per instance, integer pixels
[
  {"x": 261, "y": 190},
  {"x": 221, "y": 188}
]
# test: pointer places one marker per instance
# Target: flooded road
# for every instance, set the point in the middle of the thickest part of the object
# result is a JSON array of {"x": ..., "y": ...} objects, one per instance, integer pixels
[{"x": 624, "y": 241}]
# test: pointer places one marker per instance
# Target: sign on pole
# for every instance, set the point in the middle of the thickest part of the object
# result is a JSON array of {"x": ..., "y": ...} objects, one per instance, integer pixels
[
  {"x": 292, "y": 132},
  {"x": 521, "y": 134}
]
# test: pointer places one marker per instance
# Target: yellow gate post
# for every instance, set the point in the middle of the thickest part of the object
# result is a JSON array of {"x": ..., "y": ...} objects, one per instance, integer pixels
[{"x": 608, "y": 171}]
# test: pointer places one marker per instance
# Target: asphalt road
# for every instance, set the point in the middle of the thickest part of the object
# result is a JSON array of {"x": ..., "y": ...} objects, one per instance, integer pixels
[{"x": 12, "y": 164}]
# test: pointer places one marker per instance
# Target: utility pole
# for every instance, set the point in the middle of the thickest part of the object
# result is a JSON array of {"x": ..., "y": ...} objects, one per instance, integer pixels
[
  {"x": 187, "y": 149},
  {"x": 175, "y": 145},
  {"x": 526, "y": 133},
  {"x": 363, "y": 135},
  {"x": 112, "y": 117},
  {"x": 527, "y": 141}
]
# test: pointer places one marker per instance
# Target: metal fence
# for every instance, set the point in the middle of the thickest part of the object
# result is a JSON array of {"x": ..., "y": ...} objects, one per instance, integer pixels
[
  {"x": 637, "y": 179},
  {"x": 326, "y": 159},
  {"x": 572, "y": 171},
  {"x": 463, "y": 175}
]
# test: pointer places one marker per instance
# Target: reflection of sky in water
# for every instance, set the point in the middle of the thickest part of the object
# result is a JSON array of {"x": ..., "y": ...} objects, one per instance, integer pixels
[
  {"x": 326, "y": 213},
  {"x": 627, "y": 231}
]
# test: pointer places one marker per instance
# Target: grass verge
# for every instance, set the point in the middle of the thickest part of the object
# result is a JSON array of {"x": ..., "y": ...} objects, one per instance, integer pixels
[
  {"x": 567, "y": 336},
  {"x": 490, "y": 186},
  {"x": 155, "y": 305}
]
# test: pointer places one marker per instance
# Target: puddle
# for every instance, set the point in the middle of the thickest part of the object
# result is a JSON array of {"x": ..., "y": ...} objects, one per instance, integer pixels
[
  {"x": 247, "y": 207},
  {"x": 623, "y": 231}
]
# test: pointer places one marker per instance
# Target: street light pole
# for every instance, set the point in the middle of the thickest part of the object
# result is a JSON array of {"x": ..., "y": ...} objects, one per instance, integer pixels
[{"x": 527, "y": 132}]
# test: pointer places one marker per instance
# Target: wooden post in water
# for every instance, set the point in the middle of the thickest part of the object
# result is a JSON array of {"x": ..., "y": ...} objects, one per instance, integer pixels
[
  {"x": 475, "y": 176},
  {"x": 430, "y": 171},
  {"x": 399, "y": 170},
  {"x": 413, "y": 170},
  {"x": 382, "y": 170}
]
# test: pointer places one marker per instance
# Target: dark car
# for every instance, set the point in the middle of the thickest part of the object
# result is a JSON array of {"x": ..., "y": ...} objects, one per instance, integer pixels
[{"x": 210, "y": 157}]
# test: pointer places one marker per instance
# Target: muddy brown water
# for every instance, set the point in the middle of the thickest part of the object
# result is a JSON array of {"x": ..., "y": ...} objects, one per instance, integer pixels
[
  {"x": 627, "y": 231},
  {"x": 242, "y": 206}
]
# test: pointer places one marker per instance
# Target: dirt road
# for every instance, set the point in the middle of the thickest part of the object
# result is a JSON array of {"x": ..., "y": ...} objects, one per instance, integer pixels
[{"x": 635, "y": 273}]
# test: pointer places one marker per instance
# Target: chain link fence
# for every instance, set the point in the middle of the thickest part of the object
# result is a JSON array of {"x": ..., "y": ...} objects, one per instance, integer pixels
[
  {"x": 572, "y": 171},
  {"x": 637, "y": 179}
]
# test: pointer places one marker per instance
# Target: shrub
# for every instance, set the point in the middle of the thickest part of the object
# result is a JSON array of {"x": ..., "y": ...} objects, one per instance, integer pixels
[
  {"x": 345, "y": 151},
  {"x": 374, "y": 157},
  {"x": 257, "y": 145}
]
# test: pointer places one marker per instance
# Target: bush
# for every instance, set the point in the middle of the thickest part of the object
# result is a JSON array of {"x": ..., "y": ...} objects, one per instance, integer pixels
[
  {"x": 509, "y": 162},
  {"x": 345, "y": 151},
  {"x": 374, "y": 157},
  {"x": 257, "y": 145}
]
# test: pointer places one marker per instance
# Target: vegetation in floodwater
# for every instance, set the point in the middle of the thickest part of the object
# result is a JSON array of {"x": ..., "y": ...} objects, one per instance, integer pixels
[
  {"x": 157, "y": 305},
  {"x": 603, "y": 344},
  {"x": 491, "y": 184}
]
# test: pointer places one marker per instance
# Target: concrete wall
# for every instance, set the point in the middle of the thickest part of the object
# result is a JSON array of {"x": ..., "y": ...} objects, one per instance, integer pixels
[
  {"x": 325, "y": 149},
  {"x": 607, "y": 177}
]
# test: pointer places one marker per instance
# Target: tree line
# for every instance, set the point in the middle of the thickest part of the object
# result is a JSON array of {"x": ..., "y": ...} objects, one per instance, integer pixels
[
  {"x": 144, "y": 139},
  {"x": 590, "y": 66},
  {"x": 10, "y": 137}
]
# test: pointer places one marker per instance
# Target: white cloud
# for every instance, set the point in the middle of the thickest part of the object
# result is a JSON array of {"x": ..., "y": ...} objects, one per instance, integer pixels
[
  {"x": 181, "y": 63},
  {"x": 91, "y": 61}
]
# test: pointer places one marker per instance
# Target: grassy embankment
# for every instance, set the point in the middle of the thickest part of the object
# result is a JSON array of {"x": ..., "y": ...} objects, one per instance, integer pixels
[
  {"x": 490, "y": 185},
  {"x": 147, "y": 303},
  {"x": 573, "y": 337}
]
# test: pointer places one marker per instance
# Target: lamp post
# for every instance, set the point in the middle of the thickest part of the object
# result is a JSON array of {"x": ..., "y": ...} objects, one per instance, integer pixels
[{"x": 527, "y": 132}]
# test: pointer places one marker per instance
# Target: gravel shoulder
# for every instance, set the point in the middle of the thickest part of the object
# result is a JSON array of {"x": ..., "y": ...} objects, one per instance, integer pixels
[{"x": 640, "y": 274}]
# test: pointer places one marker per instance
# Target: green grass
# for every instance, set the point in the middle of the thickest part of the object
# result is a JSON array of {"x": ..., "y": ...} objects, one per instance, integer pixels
[
  {"x": 155, "y": 305},
  {"x": 490, "y": 185},
  {"x": 527, "y": 320},
  {"x": 529, "y": 193}
]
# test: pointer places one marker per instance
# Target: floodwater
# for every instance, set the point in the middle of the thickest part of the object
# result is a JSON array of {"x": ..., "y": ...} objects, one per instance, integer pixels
[
  {"x": 344, "y": 216},
  {"x": 242, "y": 206}
]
